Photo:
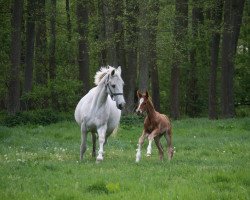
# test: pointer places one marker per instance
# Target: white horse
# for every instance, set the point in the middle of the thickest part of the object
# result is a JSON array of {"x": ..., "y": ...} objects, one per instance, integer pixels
[{"x": 100, "y": 109}]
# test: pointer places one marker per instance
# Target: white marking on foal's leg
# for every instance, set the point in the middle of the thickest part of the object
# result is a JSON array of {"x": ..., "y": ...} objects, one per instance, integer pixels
[
  {"x": 138, "y": 154},
  {"x": 149, "y": 148}
]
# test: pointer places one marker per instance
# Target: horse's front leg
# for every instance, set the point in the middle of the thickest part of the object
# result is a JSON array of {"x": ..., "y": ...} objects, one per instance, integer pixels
[
  {"x": 102, "y": 134},
  {"x": 140, "y": 143},
  {"x": 150, "y": 140}
]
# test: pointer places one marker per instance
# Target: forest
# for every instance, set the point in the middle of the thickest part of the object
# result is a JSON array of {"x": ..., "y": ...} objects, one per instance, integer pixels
[{"x": 192, "y": 56}]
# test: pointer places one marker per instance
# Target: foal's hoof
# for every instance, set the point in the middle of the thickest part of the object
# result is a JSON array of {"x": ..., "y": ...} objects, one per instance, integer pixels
[{"x": 148, "y": 154}]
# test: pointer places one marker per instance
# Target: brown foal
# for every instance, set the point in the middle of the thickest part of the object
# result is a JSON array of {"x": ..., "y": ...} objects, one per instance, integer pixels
[{"x": 156, "y": 125}]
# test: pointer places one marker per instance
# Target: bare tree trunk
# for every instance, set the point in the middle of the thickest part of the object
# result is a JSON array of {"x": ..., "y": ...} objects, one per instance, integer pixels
[
  {"x": 41, "y": 69},
  {"x": 14, "y": 81},
  {"x": 143, "y": 46},
  {"x": 69, "y": 26},
  {"x": 180, "y": 31},
  {"x": 83, "y": 53},
  {"x": 214, "y": 49},
  {"x": 130, "y": 69},
  {"x": 52, "y": 56},
  {"x": 30, "y": 40},
  {"x": 192, "y": 87},
  {"x": 153, "y": 57},
  {"x": 102, "y": 34},
  {"x": 232, "y": 22}
]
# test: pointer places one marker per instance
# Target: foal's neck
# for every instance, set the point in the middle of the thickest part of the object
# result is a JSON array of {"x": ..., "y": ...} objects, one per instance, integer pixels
[{"x": 151, "y": 112}]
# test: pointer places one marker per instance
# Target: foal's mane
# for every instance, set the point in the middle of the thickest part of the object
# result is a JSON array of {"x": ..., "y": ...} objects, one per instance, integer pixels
[
  {"x": 101, "y": 73},
  {"x": 150, "y": 102}
]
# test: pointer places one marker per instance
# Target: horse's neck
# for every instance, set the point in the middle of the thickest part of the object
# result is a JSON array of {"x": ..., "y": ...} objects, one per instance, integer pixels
[
  {"x": 101, "y": 96},
  {"x": 151, "y": 113}
]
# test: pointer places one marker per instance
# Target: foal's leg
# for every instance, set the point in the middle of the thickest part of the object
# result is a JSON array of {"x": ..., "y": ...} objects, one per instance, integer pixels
[
  {"x": 140, "y": 143},
  {"x": 94, "y": 145},
  {"x": 159, "y": 146},
  {"x": 150, "y": 140},
  {"x": 101, "y": 133},
  {"x": 168, "y": 136},
  {"x": 83, "y": 140}
]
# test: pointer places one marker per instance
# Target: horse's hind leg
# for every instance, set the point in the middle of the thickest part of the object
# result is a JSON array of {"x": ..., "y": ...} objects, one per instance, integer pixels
[
  {"x": 159, "y": 146},
  {"x": 94, "y": 145},
  {"x": 83, "y": 140},
  {"x": 168, "y": 137}
]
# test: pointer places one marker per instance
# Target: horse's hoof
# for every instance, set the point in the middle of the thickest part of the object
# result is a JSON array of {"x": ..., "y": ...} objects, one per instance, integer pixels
[{"x": 148, "y": 154}]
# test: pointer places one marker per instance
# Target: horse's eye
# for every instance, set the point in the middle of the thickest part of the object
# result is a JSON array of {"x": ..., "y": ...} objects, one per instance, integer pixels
[{"x": 113, "y": 86}]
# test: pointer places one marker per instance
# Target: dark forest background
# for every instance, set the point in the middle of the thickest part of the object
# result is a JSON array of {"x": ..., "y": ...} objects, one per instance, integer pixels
[{"x": 193, "y": 56}]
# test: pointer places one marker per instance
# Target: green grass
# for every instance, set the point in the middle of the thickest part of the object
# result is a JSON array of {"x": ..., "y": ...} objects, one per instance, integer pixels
[{"x": 212, "y": 161}]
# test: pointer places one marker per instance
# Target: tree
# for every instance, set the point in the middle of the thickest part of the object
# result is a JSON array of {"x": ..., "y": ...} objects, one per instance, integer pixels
[
  {"x": 14, "y": 82},
  {"x": 52, "y": 47},
  {"x": 153, "y": 55},
  {"x": 180, "y": 31},
  {"x": 41, "y": 45},
  {"x": 192, "y": 86},
  {"x": 69, "y": 26},
  {"x": 83, "y": 53},
  {"x": 131, "y": 42},
  {"x": 214, "y": 50},
  {"x": 30, "y": 40},
  {"x": 233, "y": 12},
  {"x": 143, "y": 45}
]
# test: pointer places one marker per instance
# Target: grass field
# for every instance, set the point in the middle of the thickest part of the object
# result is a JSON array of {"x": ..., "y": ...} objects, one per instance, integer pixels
[{"x": 212, "y": 161}]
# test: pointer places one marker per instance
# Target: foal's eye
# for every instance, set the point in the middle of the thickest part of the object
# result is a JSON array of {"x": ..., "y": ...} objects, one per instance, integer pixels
[{"x": 113, "y": 86}]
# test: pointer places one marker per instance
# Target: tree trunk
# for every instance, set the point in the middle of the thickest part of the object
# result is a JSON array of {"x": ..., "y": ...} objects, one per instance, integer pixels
[
  {"x": 83, "y": 53},
  {"x": 232, "y": 22},
  {"x": 30, "y": 40},
  {"x": 130, "y": 69},
  {"x": 14, "y": 81},
  {"x": 119, "y": 33},
  {"x": 214, "y": 49},
  {"x": 69, "y": 27},
  {"x": 153, "y": 57},
  {"x": 41, "y": 69},
  {"x": 102, "y": 34},
  {"x": 143, "y": 46},
  {"x": 52, "y": 56},
  {"x": 180, "y": 31},
  {"x": 192, "y": 87}
]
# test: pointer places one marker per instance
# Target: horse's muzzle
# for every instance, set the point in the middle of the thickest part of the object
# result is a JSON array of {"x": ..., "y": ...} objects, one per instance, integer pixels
[{"x": 121, "y": 106}]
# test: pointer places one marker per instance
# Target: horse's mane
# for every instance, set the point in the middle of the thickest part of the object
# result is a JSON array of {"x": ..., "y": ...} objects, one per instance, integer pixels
[{"x": 101, "y": 73}]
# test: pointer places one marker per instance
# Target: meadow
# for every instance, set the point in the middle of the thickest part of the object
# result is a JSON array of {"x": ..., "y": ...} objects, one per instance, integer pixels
[{"x": 211, "y": 161}]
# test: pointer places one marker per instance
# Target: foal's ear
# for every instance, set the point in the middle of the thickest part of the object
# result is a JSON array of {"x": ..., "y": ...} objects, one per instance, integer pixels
[
  {"x": 113, "y": 72},
  {"x": 147, "y": 95},
  {"x": 139, "y": 95}
]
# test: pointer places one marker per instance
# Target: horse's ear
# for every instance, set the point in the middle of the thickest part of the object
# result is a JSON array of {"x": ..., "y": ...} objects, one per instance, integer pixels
[
  {"x": 147, "y": 95},
  {"x": 119, "y": 70},
  {"x": 139, "y": 95},
  {"x": 113, "y": 72}
]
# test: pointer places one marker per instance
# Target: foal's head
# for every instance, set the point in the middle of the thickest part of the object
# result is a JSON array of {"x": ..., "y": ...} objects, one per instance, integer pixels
[{"x": 144, "y": 101}]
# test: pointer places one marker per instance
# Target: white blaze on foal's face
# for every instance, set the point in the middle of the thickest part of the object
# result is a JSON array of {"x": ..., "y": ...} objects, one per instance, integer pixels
[{"x": 141, "y": 101}]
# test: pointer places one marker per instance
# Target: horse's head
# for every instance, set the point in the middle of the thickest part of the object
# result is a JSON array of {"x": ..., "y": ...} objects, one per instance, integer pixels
[
  {"x": 143, "y": 101},
  {"x": 114, "y": 85}
]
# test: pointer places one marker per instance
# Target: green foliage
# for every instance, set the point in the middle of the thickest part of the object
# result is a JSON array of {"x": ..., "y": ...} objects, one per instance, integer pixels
[{"x": 41, "y": 117}]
